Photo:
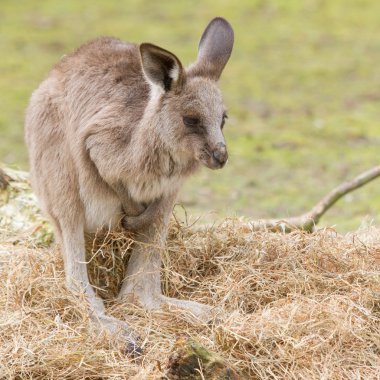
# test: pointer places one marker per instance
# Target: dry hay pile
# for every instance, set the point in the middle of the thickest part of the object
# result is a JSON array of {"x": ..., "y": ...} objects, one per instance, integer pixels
[{"x": 297, "y": 306}]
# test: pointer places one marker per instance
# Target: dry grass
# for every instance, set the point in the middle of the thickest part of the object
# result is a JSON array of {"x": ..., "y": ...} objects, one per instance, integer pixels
[{"x": 297, "y": 306}]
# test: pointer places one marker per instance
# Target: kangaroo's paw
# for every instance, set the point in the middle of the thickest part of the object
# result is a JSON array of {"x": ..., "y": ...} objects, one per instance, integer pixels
[
  {"x": 119, "y": 330},
  {"x": 143, "y": 220},
  {"x": 134, "y": 223}
]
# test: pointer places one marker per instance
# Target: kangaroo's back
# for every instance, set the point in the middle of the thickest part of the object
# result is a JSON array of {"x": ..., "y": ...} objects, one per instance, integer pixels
[
  {"x": 103, "y": 72},
  {"x": 101, "y": 79}
]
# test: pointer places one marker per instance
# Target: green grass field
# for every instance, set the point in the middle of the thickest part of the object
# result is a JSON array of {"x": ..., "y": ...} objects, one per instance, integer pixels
[{"x": 302, "y": 88}]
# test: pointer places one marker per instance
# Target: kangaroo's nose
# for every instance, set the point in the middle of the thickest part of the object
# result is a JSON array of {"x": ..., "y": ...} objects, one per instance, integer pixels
[{"x": 220, "y": 154}]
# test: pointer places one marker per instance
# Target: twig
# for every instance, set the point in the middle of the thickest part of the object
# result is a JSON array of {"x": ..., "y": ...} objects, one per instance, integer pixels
[
  {"x": 4, "y": 179},
  {"x": 310, "y": 219}
]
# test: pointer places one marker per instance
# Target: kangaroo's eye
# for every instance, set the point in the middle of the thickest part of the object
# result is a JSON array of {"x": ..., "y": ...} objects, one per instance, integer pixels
[
  {"x": 191, "y": 121},
  {"x": 225, "y": 116}
]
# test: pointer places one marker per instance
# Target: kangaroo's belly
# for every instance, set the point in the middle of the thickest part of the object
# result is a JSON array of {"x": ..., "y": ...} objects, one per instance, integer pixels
[{"x": 101, "y": 210}]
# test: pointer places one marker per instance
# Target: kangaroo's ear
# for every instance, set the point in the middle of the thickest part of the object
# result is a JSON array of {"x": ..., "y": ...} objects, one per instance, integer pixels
[
  {"x": 162, "y": 68},
  {"x": 214, "y": 49}
]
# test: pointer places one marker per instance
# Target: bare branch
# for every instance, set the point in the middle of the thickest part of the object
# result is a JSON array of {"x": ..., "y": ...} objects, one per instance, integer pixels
[
  {"x": 4, "y": 179},
  {"x": 310, "y": 219}
]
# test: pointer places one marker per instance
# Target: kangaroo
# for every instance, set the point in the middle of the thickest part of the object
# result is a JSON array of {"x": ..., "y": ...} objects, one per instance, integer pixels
[{"x": 112, "y": 133}]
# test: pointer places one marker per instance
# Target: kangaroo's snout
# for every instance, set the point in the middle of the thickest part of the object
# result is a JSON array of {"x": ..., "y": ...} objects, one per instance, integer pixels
[{"x": 220, "y": 154}]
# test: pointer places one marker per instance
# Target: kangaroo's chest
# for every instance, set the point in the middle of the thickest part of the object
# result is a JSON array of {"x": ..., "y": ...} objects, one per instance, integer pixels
[{"x": 148, "y": 189}]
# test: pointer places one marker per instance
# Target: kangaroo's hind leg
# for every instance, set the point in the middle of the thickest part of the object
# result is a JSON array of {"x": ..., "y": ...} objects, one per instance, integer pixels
[
  {"x": 143, "y": 279},
  {"x": 77, "y": 281},
  {"x": 67, "y": 214}
]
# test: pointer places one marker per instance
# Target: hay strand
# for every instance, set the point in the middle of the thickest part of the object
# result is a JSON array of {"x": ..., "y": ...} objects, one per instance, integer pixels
[{"x": 296, "y": 306}]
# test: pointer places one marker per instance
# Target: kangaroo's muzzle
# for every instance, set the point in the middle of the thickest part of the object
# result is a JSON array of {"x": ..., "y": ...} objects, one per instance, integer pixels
[{"x": 220, "y": 155}]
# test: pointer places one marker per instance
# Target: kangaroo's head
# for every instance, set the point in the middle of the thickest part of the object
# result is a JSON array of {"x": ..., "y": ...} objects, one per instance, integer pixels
[{"x": 186, "y": 104}]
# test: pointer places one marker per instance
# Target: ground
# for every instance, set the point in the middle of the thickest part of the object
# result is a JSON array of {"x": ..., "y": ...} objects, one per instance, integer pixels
[
  {"x": 297, "y": 306},
  {"x": 302, "y": 89},
  {"x": 290, "y": 306}
]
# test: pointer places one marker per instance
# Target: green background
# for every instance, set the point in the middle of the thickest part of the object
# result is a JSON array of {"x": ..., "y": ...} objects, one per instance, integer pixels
[{"x": 302, "y": 88}]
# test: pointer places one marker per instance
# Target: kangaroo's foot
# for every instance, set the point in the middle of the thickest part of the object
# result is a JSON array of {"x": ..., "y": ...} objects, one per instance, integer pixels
[
  {"x": 120, "y": 330},
  {"x": 201, "y": 311},
  {"x": 142, "y": 285},
  {"x": 154, "y": 301}
]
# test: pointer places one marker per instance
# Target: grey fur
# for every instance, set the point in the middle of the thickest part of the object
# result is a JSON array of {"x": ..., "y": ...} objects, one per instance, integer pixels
[{"x": 107, "y": 143}]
